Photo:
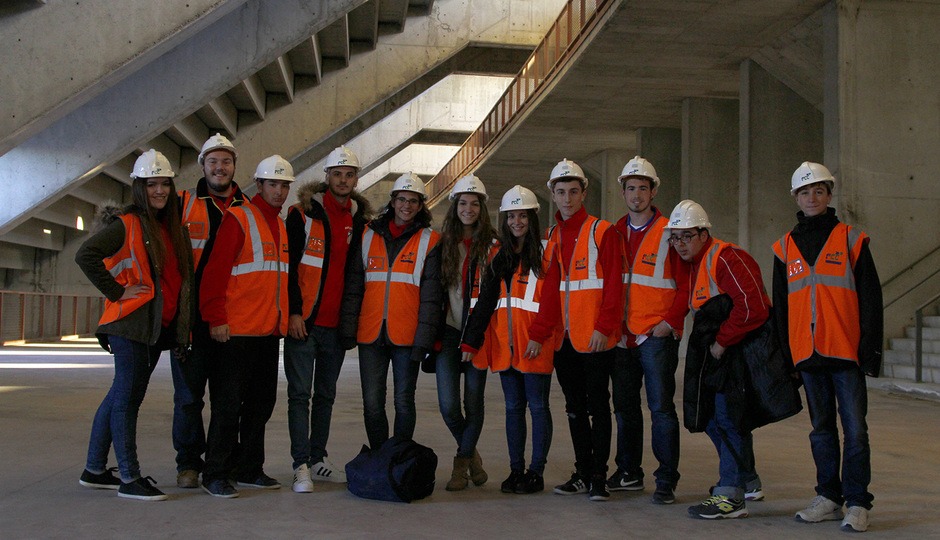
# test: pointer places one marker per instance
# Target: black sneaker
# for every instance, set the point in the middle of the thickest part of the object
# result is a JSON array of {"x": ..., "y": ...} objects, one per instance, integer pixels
[
  {"x": 261, "y": 481},
  {"x": 719, "y": 507},
  {"x": 599, "y": 489},
  {"x": 575, "y": 486},
  {"x": 664, "y": 495},
  {"x": 219, "y": 488},
  {"x": 141, "y": 489},
  {"x": 624, "y": 481},
  {"x": 531, "y": 482},
  {"x": 509, "y": 484},
  {"x": 105, "y": 480}
]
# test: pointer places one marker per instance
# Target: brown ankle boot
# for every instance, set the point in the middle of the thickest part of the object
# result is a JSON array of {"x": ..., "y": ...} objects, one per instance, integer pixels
[
  {"x": 458, "y": 478},
  {"x": 477, "y": 474}
]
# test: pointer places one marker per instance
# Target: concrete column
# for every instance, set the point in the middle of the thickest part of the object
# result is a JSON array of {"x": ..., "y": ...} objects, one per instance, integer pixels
[
  {"x": 663, "y": 148},
  {"x": 613, "y": 207},
  {"x": 778, "y": 131},
  {"x": 710, "y": 161}
]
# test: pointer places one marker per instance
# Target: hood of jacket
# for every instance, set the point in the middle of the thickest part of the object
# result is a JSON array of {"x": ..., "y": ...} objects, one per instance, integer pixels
[
  {"x": 310, "y": 197},
  {"x": 106, "y": 213}
]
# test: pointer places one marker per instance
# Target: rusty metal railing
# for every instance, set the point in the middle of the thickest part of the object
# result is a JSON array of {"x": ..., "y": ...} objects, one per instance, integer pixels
[
  {"x": 42, "y": 316},
  {"x": 576, "y": 18}
]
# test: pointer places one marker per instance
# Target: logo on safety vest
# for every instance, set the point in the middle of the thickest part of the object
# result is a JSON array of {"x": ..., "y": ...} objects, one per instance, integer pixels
[
  {"x": 315, "y": 245},
  {"x": 408, "y": 257},
  {"x": 580, "y": 264},
  {"x": 376, "y": 263},
  {"x": 795, "y": 267},
  {"x": 700, "y": 293},
  {"x": 196, "y": 229},
  {"x": 834, "y": 258},
  {"x": 523, "y": 280},
  {"x": 650, "y": 259},
  {"x": 269, "y": 250}
]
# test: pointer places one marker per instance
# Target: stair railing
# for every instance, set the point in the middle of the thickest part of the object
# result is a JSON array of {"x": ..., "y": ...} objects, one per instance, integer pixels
[{"x": 919, "y": 339}]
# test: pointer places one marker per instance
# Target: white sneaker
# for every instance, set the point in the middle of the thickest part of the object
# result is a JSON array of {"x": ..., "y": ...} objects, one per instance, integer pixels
[
  {"x": 820, "y": 509},
  {"x": 856, "y": 519},
  {"x": 327, "y": 472},
  {"x": 302, "y": 481}
]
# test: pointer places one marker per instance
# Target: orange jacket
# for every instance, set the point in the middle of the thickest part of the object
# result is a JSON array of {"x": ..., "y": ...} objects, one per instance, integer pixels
[
  {"x": 581, "y": 286},
  {"x": 310, "y": 268},
  {"x": 396, "y": 283},
  {"x": 256, "y": 296},
  {"x": 129, "y": 266},
  {"x": 822, "y": 302},
  {"x": 649, "y": 281}
]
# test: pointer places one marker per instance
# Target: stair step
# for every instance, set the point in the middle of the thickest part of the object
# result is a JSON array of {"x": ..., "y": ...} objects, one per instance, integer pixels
[
  {"x": 929, "y": 375},
  {"x": 928, "y": 333},
  {"x": 906, "y": 358},
  {"x": 907, "y": 344},
  {"x": 932, "y": 321}
]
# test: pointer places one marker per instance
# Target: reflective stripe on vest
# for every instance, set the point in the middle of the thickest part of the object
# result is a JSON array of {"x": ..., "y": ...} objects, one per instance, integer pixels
[
  {"x": 129, "y": 266},
  {"x": 196, "y": 219},
  {"x": 649, "y": 280},
  {"x": 706, "y": 279},
  {"x": 310, "y": 268},
  {"x": 823, "y": 313},
  {"x": 256, "y": 297},
  {"x": 391, "y": 284}
]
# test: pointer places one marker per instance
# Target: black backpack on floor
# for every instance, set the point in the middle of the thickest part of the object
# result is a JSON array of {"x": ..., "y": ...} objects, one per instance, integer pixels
[{"x": 400, "y": 470}]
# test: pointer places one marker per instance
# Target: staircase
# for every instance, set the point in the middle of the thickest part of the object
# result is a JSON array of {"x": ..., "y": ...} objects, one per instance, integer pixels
[{"x": 899, "y": 362}]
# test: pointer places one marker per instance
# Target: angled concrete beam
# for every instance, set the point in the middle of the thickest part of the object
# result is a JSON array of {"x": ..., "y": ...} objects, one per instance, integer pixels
[
  {"x": 364, "y": 24},
  {"x": 16, "y": 257},
  {"x": 424, "y": 136},
  {"x": 278, "y": 77},
  {"x": 31, "y": 234},
  {"x": 392, "y": 15},
  {"x": 257, "y": 96},
  {"x": 334, "y": 40},
  {"x": 97, "y": 189},
  {"x": 305, "y": 58},
  {"x": 121, "y": 170},
  {"x": 66, "y": 211},
  {"x": 190, "y": 131},
  {"x": 223, "y": 114}
]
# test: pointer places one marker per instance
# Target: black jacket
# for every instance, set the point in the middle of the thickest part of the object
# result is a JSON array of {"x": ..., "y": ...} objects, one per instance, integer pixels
[
  {"x": 430, "y": 312},
  {"x": 810, "y": 235},
  {"x": 502, "y": 269},
  {"x": 144, "y": 323},
  {"x": 310, "y": 200},
  {"x": 753, "y": 374}
]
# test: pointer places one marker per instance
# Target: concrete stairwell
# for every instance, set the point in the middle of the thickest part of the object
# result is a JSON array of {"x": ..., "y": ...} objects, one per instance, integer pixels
[{"x": 899, "y": 357}]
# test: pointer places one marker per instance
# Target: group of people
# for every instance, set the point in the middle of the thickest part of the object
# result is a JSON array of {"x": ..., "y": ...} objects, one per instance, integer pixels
[{"x": 219, "y": 280}]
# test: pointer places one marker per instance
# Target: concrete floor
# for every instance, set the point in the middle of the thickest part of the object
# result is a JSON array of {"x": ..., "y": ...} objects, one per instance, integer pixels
[{"x": 45, "y": 418}]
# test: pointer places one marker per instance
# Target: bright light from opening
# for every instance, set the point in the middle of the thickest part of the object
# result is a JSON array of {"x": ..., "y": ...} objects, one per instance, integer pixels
[
  {"x": 80, "y": 223},
  {"x": 47, "y": 231}
]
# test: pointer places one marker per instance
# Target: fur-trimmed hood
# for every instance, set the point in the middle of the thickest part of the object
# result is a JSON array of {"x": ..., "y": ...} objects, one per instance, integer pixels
[
  {"x": 312, "y": 192},
  {"x": 106, "y": 213}
]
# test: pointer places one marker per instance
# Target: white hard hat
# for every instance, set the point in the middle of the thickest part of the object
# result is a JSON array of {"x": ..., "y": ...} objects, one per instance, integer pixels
[
  {"x": 567, "y": 169},
  {"x": 519, "y": 198},
  {"x": 152, "y": 164},
  {"x": 809, "y": 173},
  {"x": 688, "y": 214},
  {"x": 341, "y": 157},
  {"x": 409, "y": 182},
  {"x": 639, "y": 167},
  {"x": 468, "y": 184},
  {"x": 274, "y": 168},
  {"x": 217, "y": 142}
]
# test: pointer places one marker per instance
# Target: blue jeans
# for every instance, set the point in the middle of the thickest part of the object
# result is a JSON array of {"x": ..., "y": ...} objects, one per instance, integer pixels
[
  {"x": 736, "y": 468},
  {"x": 655, "y": 360},
  {"x": 823, "y": 390},
  {"x": 311, "y": 365},
  {"x": 189, "y": 390},
  {"x": 373, "y": 374},
  {"x": 465, "y": 428},
  {"x": 116, "y": 419},
  {"x": 520, "y": 389}
]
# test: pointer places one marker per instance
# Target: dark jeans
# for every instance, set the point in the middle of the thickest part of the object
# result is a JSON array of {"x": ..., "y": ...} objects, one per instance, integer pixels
[
  {"x": 116, "y": 419},
  {"x": 466, "y": 427},
  {"x": 735, "y": 448},
  {"x": 847, "y": 387},
  {"x": 243, "y": 390},
  {"x": 373, "y": 374},
  {"x": 312, "y": 365},
  {"x": 655, "y": 360},
  {"x": 585, "y": 381},
  {"x": 533, "y": 389},
  {"x": 189, "y": 390}
]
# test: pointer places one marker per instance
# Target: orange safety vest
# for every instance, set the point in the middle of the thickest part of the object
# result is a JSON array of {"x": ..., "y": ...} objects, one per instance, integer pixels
[
  {"x": 481, "y": 359},
  {"x": 196, "y": 220},
  {"x": 394, "y": 283},
  {"x": 129, "y": 266},
  {"x": 706, "y": 286},
  {"x": 582, "y": 285},
  {"x": 310, "y": 269},
  {"x": 822, "y": 303},
  {"x": 649, "y": 280},
  {"x": 508, "y": 332},
  {"x": 256, "y": 297}
]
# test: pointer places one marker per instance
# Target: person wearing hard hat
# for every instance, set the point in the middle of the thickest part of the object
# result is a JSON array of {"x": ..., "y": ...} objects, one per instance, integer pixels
[
  {"x": 828, "y": 309},
  {"x": 392, "y": 305},
  {"x": 468, "y": 243},
  {"x": 649, "y": 349},
  {"x": 508, "y": 305},
  {"x": 140, "y": 260},
  {"x": 327, "y": 216},
  {"x": 244, "y": 299},
  {"x": 201, "y": 210},
  {"x": 718, "y": 270},
  {"x": 586, "y": 269}
]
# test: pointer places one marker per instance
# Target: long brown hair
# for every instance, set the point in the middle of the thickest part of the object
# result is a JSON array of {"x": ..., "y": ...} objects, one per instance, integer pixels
[
  {"x": 150, "y": 220},
  {"x": 452, "y": 235},
  {"x": 530, "y": 252}
]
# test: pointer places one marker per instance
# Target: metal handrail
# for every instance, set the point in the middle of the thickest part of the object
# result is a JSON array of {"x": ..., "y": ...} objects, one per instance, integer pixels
[
  {"x": 919, "y": 338},
  {"x": 904, "y": 270},
  {"x": 575, "y": 18},
  {"x": 918, "y": 284},
  {"x": 42, "y": 316}
]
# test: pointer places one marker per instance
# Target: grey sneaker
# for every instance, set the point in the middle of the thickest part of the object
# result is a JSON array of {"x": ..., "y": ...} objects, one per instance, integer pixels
[
  {"x": 574, "y": 486},
  {"x": 325, "y": 471},
  {"x": 302, "y": 481},
  {"x": 820, "y": 509},
  {"x": 856, "y": 519}
]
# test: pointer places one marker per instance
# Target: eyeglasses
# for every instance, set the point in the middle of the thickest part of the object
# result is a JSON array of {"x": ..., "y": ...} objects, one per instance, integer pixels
[
  {"x": 684, "y": 239},
  {"x": 402, "y": 200}
]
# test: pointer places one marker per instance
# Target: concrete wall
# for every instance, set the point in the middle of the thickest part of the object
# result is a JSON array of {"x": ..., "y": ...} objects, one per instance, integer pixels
[{"x": 663, "y": 148}]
